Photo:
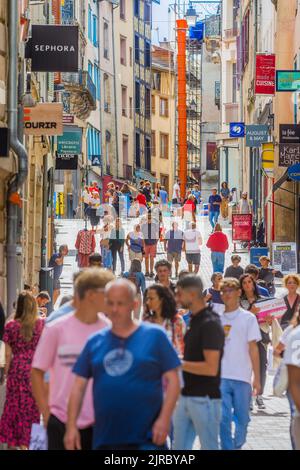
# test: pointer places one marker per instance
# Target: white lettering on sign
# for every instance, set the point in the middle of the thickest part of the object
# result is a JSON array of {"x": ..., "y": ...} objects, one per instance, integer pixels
[{"x": 54, "y": 48}]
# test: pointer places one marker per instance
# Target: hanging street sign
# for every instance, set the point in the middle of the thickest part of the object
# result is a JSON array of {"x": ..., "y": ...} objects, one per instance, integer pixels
[
  {"x": 289, "y": 154},
  {"x": 256, "y": 135},
  {"x": 43, "y": 119},
  {"x": 53, "y": 48},
  {"x": 237, "y": 129},
  {"x": 265, "y": 74},
  {"x": 294, "y": 172},
  {"x": 66, "y": 161},
  {"x": 267, "y": 158},
  {"x": 289, "y": 133},
  {"x": 70, "y": 141},
  {"x": 287, "y": 80},
  {"x": 96, "y": 160}
]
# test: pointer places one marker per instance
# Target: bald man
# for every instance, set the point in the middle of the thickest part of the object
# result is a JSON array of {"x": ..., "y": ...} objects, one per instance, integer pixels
[{"x": 128, "y": 363}]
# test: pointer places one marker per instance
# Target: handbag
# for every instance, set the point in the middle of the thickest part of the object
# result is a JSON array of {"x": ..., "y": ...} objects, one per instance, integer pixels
[{"x": 281, "y": 381}]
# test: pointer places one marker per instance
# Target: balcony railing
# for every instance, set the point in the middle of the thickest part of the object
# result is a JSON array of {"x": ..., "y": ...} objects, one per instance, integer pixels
[
  {"x": 231, "y": 33},
  {"x": 81, "y": 83},
  {"x": 231, "y": 112}
]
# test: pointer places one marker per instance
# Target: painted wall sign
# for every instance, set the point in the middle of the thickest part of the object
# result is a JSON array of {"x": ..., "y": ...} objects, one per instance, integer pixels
[
  {"x": 265, "y": 74},
  {"x": 44, "y": 119}
]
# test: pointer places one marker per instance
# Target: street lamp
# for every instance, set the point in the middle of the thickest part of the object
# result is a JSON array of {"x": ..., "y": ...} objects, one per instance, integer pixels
[{"x": 191, "y": 15}]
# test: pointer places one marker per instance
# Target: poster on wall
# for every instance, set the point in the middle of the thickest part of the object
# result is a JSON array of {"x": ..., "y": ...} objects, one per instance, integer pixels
[
  {"x": 265, "y": 74},
  {"x": 212, "y": 156},
  {"x": 285, "y": 257},
  {"x": 242, "y": 227}
]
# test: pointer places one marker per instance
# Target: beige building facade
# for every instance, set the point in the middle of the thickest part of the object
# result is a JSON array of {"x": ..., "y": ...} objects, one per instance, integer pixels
[{"x": 163, "y": 117}]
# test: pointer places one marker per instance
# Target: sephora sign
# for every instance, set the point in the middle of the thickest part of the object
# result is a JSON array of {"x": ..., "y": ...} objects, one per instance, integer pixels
[{"x": 53, "y": 48}]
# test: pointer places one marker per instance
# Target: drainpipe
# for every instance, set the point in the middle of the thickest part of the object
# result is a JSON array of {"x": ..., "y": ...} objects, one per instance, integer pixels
[{"x": 13, "y": 250}]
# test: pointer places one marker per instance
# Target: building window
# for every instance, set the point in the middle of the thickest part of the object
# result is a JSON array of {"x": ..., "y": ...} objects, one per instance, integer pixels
[
  {"x": 137, "y": 97},
  {"x": 148, "y": 103},
  {"x": 156, "y": 80},
  {"x": 234, "y": 83},
  {"x": 90, "y": 69},
  {"x": 123, "y": 50},
  {"x": 125, "y": 149},
  {"x": 147, "y": 13},
  {"x": 105, "y": 41},
  {"x": 147, "y": 53},
  {"x": 164, "y": 181},
  {"x": 136, "y": 48},
  {"x": 93, "y": 142},
  {"x": 90, "y": 24},
  {"x": 106, "y": 93},
  {"x": 97, "y": 80},
  {"x": 153, "y": 103},
  {"x": 153, "y": 143},
  {"x": 130, "y": 107},
  {"x": 137, "y": 150},
  {"x": 130, "y": 56},
  {"x": 137, "y": 8},
  {"x": 148, "y": 153},
  {"x": 163, "y": 107},
  {"x": 164, "y": 145},
  {"x": 124, "y": 101},
  {"x": 122, "y": 10},
  {"x": 95, "y": 31}
]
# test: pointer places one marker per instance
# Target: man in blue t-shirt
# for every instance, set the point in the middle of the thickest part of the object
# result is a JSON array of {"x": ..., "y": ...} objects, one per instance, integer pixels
[
  {"x": 135, "y": 379},
  {"x": 214, "y": 203},
  {"x": 174, "y": 244},
  {"x": 164, "y": 198}
]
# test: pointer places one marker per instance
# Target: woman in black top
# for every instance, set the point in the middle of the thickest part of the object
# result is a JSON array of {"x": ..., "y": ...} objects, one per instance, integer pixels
[
  {"x": 292, "y": 283},
  {"x": 249, "y": 297},
  {"x": 268, "y": 274}
]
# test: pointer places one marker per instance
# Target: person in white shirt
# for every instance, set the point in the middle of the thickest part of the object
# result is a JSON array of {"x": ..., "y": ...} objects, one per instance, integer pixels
[
  {"x": 193, "y": 241},
  {"x": 245, "y": 205},
  {"x": 292, "y": 360},
  {"x": 240, "y": 361},
  {"x": 176, "y": 193}
]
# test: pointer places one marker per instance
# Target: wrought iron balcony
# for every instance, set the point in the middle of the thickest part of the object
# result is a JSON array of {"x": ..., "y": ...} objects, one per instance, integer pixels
[{"x": 83, "y": 94}]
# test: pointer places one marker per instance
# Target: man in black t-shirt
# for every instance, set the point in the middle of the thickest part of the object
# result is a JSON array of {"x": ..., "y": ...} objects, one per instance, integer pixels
[{"x": 199, "y": 409}]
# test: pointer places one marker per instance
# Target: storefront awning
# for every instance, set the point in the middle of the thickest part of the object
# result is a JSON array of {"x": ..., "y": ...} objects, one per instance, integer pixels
[{"x": 142, "y": 174}]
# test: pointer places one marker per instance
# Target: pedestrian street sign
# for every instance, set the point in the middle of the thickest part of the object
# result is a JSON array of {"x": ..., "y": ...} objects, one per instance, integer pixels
[
  {"x": 256, "y": 135},
  {"x": 237, "y": 129},
  {"x": 96, "y": 160}
]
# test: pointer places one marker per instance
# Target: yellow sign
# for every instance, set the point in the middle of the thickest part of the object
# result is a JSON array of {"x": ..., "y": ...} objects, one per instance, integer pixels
[
  {"x": 44, "y": 119},
  {"x": 268, "y": 156}
]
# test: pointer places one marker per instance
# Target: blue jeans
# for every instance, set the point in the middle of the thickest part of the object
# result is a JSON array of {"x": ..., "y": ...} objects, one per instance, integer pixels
[
  {"x": 213, "y": 218},
  {"x": 218, "y": 261},
  {"x": 236, "y": 397},
  {"x": 293, "y": 412},
  {"x": 197, "y": 416}
]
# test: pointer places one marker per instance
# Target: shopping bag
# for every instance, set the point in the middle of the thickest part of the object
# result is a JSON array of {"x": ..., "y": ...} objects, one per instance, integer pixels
[{"x": 38, "y": 438}]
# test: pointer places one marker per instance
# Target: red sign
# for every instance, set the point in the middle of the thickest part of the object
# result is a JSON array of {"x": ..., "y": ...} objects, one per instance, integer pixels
[
  {"x": 68, "y": 119},
  {"x": 242, "y": 227},
  {"x": 265, "y": 74}
]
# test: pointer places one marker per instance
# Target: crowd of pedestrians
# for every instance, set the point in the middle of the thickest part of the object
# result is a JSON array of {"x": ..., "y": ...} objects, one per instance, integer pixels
[{"x": 146, "y": 360}]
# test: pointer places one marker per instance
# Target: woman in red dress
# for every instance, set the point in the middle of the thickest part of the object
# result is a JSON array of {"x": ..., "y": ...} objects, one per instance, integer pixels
[{"x": 21, "y": 337}]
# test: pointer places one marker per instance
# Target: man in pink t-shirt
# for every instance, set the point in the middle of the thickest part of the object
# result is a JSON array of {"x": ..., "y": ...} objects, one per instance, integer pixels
[{"x": 61, "y": 343}]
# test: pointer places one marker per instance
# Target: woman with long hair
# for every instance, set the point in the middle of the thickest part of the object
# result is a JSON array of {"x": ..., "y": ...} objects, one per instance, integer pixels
[
  {"x": 225, "y": 193},
  {"x": 249, "y": 298},
  {"x": 21, "y": 337},
  {"x": 292, "y": 300},
  {"x": 160, "y": 308}
]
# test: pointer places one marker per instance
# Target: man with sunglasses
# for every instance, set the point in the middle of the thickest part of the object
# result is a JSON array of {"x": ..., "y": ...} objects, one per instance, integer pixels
[
  {"x": 239, "y": 363},
  {"x": 61, "y": 343}
]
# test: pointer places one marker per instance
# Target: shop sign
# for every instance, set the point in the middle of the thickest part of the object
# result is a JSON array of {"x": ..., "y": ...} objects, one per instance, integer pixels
[
  {"x": 289, "y": 133},
  {"x": 267, "y": 158},
  {"x": 285, "y": 257},
  {"x": 289, "y": 154},
  {"x": 287, "y": 80},
  {"x": 265, "y": 74},
  {"x": 70, "y": 142},
  {"x": 66, "y": 161},
  {"x": 294, "y": 172},
  {"x": 68, "y": 119},
  {"x": 242, "y": 227},
  {"x": 237, "y": 129},
  {"x": 256, "y": 135},
  {"x": 212, "y": 160},
  {"x": 43, "y": 119},
  {"x": 96, "y": 160},
  {"x": 53, "y": 48}
]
